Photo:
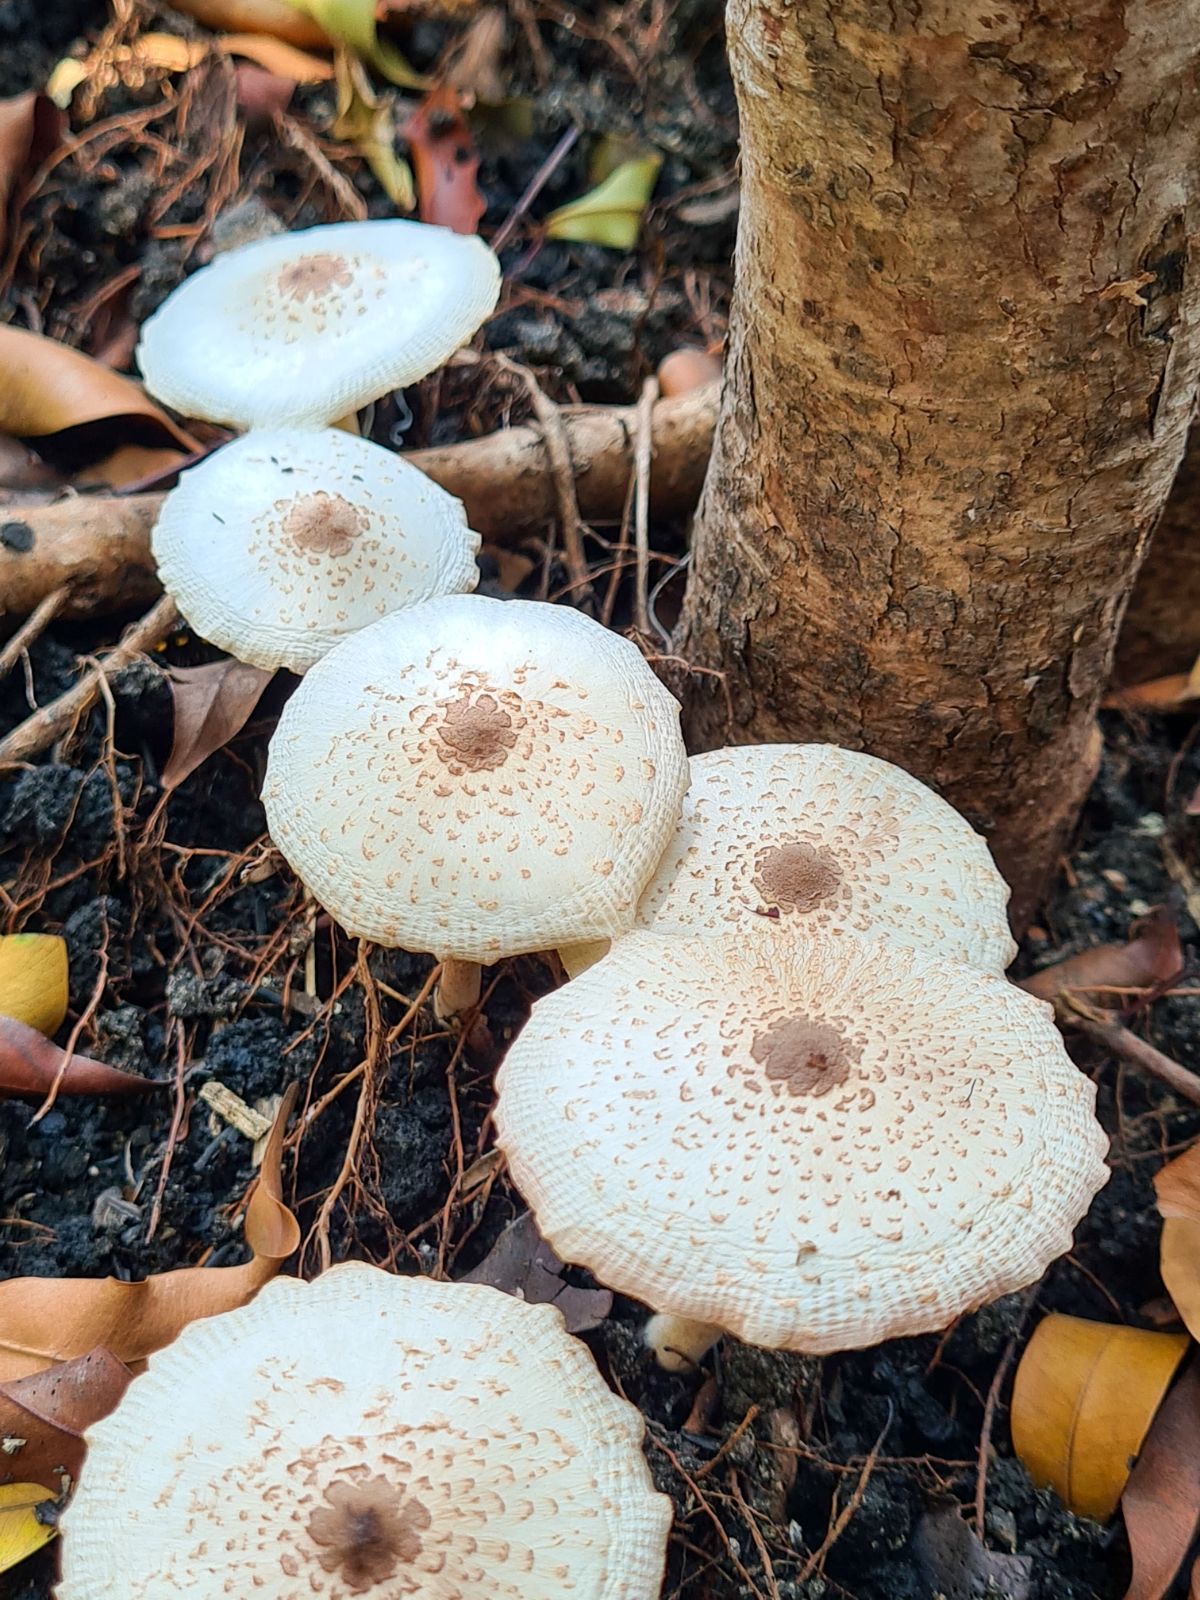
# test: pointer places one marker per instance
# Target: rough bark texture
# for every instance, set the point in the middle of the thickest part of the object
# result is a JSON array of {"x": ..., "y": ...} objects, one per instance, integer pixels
[
  {"x": 1161, "y": 631},
  {"x": 948, "y": 422}
]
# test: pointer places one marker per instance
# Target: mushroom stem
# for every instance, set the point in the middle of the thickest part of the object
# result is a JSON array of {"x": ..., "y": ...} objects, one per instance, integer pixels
[
  {"x": 458, "y": 988},
  {"x": 577, "y": 958},
  {"x": 680, "y": 1344}
]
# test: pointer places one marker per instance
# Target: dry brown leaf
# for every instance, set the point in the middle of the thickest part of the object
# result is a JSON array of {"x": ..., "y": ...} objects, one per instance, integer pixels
[
  {"x": 1084, "y": 1398},
  {"x": 958, "y": 1566},
  {"x": 31, "y": 1068},
  {"x": 1158, "y": 694},
  {"x": 47, "y": 1320},
  {"x": 1153, "y": 956},
  {"x": 276, "y": 17},
  {"x": 131, "y": 463},
  {"x": 43, "y": 1417},
  {"x": 1177, "y": 1186},
  {"x": 445, "y": 162},
  {"x": 1161, "y": 1503},
  {"x": 522, "y": 1263},
  {"x": 212, "y": 704},
  {"x": 47, "y": 388},
  {"x": 31, "y": 126}
]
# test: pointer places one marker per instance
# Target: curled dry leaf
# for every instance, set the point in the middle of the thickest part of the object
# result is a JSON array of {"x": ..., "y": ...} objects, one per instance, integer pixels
[
  {"x": 31, "y": 1068},
  {"x": 1153, "y": 956},
  {"x": 522, "y": 1263},
  {"x": 1161, "y": 1503},
  {"x": 1084, "y": 1398},
  {"x": 275, "y": 17},
  {"x": 212, "y": 704},
  {"x": 31, "y": 126},
  {"x": 43, "y": 1417},
  {"x": 48, "y": 1320},
  {"x": 34, "y": 980},
  {"x": 445, "y": 162},
  {"x": 1177, "y": 1186},
  {"x": 47, "y": 388},
  {"x": 21, "y": 1533}
]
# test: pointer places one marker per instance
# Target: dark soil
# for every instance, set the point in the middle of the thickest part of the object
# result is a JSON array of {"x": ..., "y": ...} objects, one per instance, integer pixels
[{"x": 189, "y": 939}]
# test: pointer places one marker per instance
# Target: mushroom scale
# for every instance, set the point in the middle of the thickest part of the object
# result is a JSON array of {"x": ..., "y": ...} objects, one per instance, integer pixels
[
  {"x": 814, "y": 1144},
  {"x": 286, "y": 540},
  {"x": 477, "y": 778},
  {"x": 368, "y": 1435},
  {"x": 812, "y": 838},
  {"x": 303, "y": 328}
]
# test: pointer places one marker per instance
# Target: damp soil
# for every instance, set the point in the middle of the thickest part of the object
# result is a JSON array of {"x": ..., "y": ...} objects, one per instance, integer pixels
[{"x": 194, "y": 957}]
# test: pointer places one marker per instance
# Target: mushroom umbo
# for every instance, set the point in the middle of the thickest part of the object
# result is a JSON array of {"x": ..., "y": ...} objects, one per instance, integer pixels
[
  {"x": 286, "y": 540},
  {"x": 301, "y": 329},
  {"x": 368, "y": 1435},
  {"x": 477, "y": 778},
  {"x": 814, "y": 1144},
  {"x": 804, "y": 838}
]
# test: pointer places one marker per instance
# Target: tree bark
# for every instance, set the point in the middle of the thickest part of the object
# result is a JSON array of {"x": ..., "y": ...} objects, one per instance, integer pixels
[
  {"x": 1161, "y": 631},
  {"x": 961, "y": 367}
]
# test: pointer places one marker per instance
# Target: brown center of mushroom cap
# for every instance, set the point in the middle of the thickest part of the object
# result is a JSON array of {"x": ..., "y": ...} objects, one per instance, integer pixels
[
  {"x": 323, "y": 524},
  {"x": 807, "y": 1057},
  {"x": 313, "y": 276},
  {"x": 367, "y": 1530},
  {"x": 797, "y": 877},
  {"x": 475, "y": 732}
]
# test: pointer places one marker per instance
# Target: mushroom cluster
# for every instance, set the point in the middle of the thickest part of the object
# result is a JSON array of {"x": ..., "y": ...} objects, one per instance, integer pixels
[
  {"x": 299, "y": 533},
  {"x": 376, "y": 1436},
  {"x": 799, "y": 1102}
]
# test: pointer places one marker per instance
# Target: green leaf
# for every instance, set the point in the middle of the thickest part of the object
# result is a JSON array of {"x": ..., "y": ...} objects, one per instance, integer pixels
[
  {"x": 352, "y": 23},
  {"x": 612, "y": 213},
  {"x": 365, "y": 121}
]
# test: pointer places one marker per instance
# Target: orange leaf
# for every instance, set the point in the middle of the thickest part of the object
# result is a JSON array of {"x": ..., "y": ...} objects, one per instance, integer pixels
[
  {"x": 276, "y": 17},
  {"x": 1177, "y": 1186},
  {"x": 212, "y": 704},
  {"x": 47, "y": 1320},
  {"x": 1154, "y": 956},
  {"x": 1161, "y": 1503},
  {"x": 46, "y": 388},
  {"x": 445, "y": 163},
  {"x": 46, "y": 1414},
  {"x": 1084, "y": 1397},
  {"x": 31, "y": 1067},
  {"x": 30, "y": 128}
]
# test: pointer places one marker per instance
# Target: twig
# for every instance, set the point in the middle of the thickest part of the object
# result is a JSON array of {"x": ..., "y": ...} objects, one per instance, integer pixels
[
  {"x": 535, "y": 186},
  {"x": 817, "y": 1559},
  {"x": 351, "y": 204},
  {"x": 643, "y": 451},
  {"x": 32, "y": 627},
  {"x": 1126, "y": 1046},
  {"x": 57, "y": 717},
  {"x": 173, "y": 1133},
  {"x": 989, "y": 1410},
  {"x": 756, "y": 1537}
]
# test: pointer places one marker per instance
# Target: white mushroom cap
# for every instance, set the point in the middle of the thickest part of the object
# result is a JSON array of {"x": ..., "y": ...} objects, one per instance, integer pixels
[
  {"x": 477, "y": 778},
  {"x": 368, "y": 1435},
  {"x": 303, "y": 328},
  {"x": 814, "y": 1144},
  {"x": 805, "y": 838},
  {"x": 288, "y": 539}
]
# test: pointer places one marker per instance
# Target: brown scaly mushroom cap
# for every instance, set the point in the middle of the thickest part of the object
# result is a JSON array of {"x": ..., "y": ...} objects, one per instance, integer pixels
[
  {"x": 367, "y": 1435},
  {"x": 813, "y": 1144},
  {"x": 810, "y": 838}
]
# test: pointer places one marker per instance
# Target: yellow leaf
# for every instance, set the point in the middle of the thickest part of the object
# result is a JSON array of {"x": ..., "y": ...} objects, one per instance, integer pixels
[
  {"x": 21, "y": 1534},
  {"x": 33, "y": 980},
  {"x": 352, "y": 23},
  {"x": 1177, "y": 1186},
  {"x": 1084, "y": 1398},
  {"x": 612, "y": 213},
  {"x": 366, "y": 122}
]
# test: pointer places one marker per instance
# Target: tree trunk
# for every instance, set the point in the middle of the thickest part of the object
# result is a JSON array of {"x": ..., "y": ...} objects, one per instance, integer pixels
[
  {"x": 961, "y": 368},
  {"x": 1161, "y": 631}
]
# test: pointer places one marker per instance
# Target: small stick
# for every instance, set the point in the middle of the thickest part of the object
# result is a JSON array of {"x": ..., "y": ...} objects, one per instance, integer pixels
[
  {"x": 38, "y": 620},
  {"x": 643, "y": 451},
  {"x": 535, "y": 186},
  {"x": 817, "y": 1560},
  {"x": 989, "y": 1411},
  {"x": 1126, "y": 1046},
  {"x": 51, "y": 721}
]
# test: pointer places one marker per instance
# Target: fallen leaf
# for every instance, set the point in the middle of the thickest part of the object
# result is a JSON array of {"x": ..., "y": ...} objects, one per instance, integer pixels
[
  {"x": 278, "y": 57},
  {"x": 47, "y": 389},
  {"x": 31, "y": 1068},
  {"x": 48, "y": 1320},
  {"x": 33, "y": 980},
  {"x": 31, "y": 126},
  {"x": 1084, "y": 1397},
  {"x": 1177, "y": 1186},
  {"x": 610, "y": 214},
  {"x": 353, "y": 23},
  {"x": 1158, "y": 694},
  {"x": 212, "y": 704},
  {"x": 21, "y": 1534},
  {"x": 131, "y": 463},
  {"x": 43, "y": 1417},
  {"x": 445, "y": 162},
  {"x": 1161, "y": 1503},
  {"x": 521, "y": 1263},
  {"x": 958, "y": 1566},
  {"x": 22, "y": 470},
  {"x": 366, "y": 121},
  {"x": 1153, "y": 956},
  {"x": 276, "y": 17}
]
